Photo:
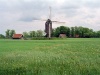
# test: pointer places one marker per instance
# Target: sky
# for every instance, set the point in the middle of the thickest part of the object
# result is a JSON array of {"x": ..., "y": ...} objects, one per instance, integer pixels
[{"x": 28, "y": 15}]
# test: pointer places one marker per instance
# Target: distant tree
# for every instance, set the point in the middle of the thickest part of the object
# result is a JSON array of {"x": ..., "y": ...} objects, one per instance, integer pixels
[
  {"x": 39, "y": 33},
  {"x": 94, "y": 34},
  {"x": 63, "y": 30},
  {"x": 8, "y": 33},
  {"x": 77, "y": 31},
  {"x": 2, "y": 36},
  {"x": 11, "y": 33},
  {"x": 53, "y": 33},
  {"x": 86, "y": 32},
  {"x": 57, "y": 32},
  {"x": 68, "y": 32},
  {"x": 25, "y": 35},
  {"x": 72, "y": 31},
  {"x": 91, "y": 33},
  {"x": 98, "y": 34},
  {"x": 32, "y": 34}
]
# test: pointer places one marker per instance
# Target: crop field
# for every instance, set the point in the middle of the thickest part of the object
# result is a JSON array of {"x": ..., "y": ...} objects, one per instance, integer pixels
[{"x": 69, "y": 56}]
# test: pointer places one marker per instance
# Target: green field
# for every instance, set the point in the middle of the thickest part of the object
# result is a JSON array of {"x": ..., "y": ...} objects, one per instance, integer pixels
[{"x": 50, "y": 57}]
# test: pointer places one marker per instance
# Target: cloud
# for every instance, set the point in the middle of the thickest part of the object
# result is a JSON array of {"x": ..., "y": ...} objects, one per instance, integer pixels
[
  {"x": 28, "y": 19},
  {"x": 18, "y": 14},
  {"x": 92, "y": 3}
]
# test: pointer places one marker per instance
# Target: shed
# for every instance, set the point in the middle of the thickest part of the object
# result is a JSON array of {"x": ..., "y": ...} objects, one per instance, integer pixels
[
  {"x": 17, "y": 36},
  {"x": 62, "y": 35},
  {"x": 76, "y": 36}
]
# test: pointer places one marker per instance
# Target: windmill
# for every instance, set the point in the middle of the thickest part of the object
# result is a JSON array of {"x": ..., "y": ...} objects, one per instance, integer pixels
[{"x": 48, "y": 25}]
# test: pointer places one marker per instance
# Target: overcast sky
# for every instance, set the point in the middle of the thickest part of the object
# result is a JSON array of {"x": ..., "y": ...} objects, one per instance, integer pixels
[{"x": 26, "y": 15}]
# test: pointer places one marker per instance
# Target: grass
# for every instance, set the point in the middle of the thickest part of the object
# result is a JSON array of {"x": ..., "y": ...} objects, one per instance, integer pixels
[{"x": 50, "y": 57}]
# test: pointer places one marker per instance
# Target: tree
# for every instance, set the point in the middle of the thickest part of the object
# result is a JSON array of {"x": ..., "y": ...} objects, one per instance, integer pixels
[
  {"x": 39, "y": 33},
  {"x": 77, "y": 32},
  {"x": 57, "y": 32},
  {"x": 72, "y": 32},
  {"x": 12, "y": 32},
  {"x": 53, "y": 33},
  {"x": 98, "y": 34},
  {"x": 32, "y": 34},
  {"x": 68, "y": 31},
  {"x": 8, "y": 33},
  {"x": 2, "y": 36},
  {"x": 80, "y": 31},
  {"x": 94, "y": 34},
  {"x": 63, "y": 30},
  {"x": 25, "y": 35}
]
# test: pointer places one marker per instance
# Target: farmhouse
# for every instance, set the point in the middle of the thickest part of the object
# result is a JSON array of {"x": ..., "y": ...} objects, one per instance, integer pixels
[
  {"x": 76, "y": 36},
  {"x": 17, "y": 36},
  {"x": 62, "y": 35}
]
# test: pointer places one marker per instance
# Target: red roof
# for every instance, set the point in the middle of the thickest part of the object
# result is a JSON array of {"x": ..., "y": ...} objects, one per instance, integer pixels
[{"x": 17, "y": 36}]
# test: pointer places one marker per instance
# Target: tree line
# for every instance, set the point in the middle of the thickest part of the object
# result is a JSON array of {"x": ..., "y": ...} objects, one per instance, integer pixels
[
  {"x": 71, "y": 32},
  {"x": 9, "y": 33}
]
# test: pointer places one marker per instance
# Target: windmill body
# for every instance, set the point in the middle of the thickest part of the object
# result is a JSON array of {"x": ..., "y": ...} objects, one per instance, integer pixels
[{"x": 48, "y": 28}]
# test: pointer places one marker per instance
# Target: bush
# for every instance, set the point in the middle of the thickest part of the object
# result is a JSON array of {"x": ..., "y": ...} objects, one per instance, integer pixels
[
  {"x": 45, "y": 38},
  {"x": 40, "y": 38}
]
